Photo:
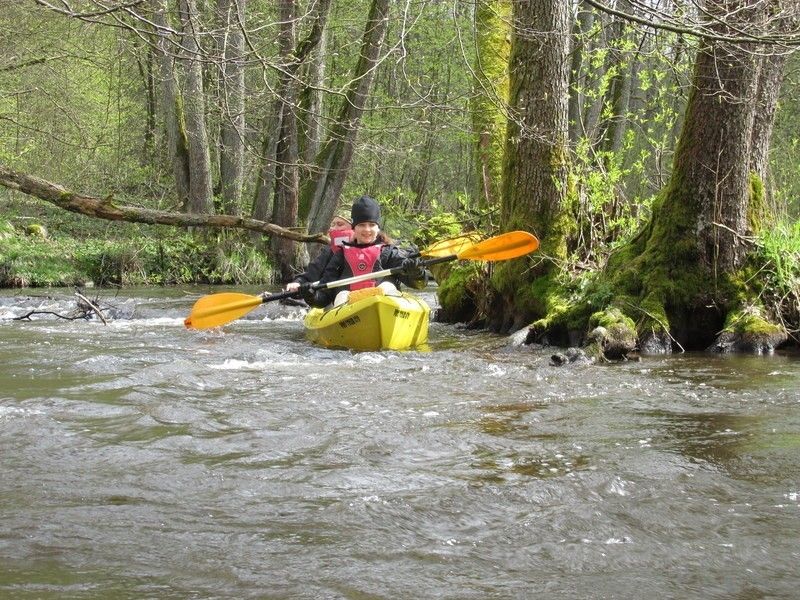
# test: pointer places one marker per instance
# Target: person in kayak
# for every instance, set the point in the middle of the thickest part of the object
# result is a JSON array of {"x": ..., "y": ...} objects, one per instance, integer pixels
[
  {"x": 371, "y": 250},
  {"x": 341, "y": 230}
]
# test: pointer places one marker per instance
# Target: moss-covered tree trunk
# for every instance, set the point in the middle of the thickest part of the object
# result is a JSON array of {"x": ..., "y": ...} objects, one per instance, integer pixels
[
  {"x": 493, "y": 41},
  {"x": 536, "y": 159},
  {"x": 685, "y": 278}
]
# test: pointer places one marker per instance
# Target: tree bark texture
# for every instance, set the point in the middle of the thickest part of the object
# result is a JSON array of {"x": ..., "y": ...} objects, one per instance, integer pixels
[
  {"x": 172, "y": 106},
  {"x": 710, "y": 178},
  {"x": 232, "y": 126},
  {"x": 536, "y": 160},
  {"x": 200, "y": 192},
  {"x": 536, "y": 157},
  {"x": 287, "y": 181}
]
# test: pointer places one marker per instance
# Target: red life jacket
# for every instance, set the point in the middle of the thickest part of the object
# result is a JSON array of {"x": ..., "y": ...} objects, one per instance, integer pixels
[
  {"x": 361, "y": 261},
  {"x": 338, "y": 237}
]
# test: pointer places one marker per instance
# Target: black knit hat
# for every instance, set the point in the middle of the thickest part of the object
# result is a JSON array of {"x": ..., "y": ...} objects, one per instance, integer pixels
[{"x": 364, "y": 210}]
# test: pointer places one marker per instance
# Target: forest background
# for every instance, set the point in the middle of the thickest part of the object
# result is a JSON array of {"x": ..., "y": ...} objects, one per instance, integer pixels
[{"x": 273, "y": 115}]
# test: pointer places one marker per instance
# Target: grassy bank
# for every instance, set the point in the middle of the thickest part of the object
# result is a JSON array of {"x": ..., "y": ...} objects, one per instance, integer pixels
[{"x": 33, "y": 255}]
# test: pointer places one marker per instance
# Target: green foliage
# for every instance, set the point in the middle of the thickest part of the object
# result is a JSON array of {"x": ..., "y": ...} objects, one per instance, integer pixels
[
  {"x": 785, "y": 146},
  {"x": 421, "y": 228},
  {"x": 172, "y": 258},
  {"x": 778, "y": 255}
]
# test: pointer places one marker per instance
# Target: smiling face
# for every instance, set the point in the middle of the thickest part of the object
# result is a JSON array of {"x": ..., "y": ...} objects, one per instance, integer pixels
[{"x": 366, "y": 232}]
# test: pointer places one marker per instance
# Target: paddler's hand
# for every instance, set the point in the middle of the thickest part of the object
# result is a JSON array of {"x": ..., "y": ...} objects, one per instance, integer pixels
[
  {"x": 292, "y": 286},
  {"x": 411, "y": 266}
]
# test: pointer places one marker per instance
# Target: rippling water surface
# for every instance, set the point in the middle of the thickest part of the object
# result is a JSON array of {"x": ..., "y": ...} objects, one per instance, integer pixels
[{"x": 139, "y": 459}]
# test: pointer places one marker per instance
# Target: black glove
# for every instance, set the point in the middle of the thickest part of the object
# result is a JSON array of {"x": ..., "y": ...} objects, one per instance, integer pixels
[
  {"x": 411, "y": 266},
  {"x": 306, "y": 293}
]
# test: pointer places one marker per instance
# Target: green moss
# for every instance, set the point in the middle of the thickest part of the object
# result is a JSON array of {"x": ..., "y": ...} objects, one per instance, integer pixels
[
  {"x": 493, "y": 18},
  {"x": 750, "y": 321},
  {"x": 757, "y": 212},
  {"x": 456, "y": 290},
  {"x": 611, "y": 318}
]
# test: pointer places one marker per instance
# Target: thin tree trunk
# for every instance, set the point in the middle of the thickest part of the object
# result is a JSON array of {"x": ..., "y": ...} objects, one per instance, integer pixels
[
  {"x": 231, "y": 164},
  {"x": 146, "y": 71},
  {"x": 593, "y": 112},
  {"x": 200, "y": 192},
  {"x": 311, "y": 104},
  {"x": 265, "y": 182},
  {"x": 172, "y": 106},
  {"x": 321, "y": 193},
  {"x": 287, "y": 178},
  {"x": 772, "y": 70}
]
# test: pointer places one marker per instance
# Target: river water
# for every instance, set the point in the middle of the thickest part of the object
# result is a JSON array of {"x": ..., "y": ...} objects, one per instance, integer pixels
[{"x": 142, "y": 460}]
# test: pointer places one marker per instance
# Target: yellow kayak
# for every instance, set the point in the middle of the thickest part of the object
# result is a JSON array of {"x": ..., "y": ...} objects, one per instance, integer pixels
[{"x": 370, "y": 321}]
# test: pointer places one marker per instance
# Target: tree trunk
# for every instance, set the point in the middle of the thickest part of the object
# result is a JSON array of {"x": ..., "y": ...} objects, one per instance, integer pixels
[
  {"x": 594, "y": 83},
  {"x": 231, "y": 51},
  {"x": 772, "y": 70},
  {"x": 172, "y": 106},
  {"x": 710, "y": 179},
  {"x": 493, "y": 32},
  {"x": 265, "y": 182},
  {"x": 311, "y": 104},
  {"x": 321, "y": 192},
  {"x": 681, "y": 279},
  {"x": 200, "y": 193},
  {"x": 535, "y": 170},
  {"x": 287, "y": 180}
]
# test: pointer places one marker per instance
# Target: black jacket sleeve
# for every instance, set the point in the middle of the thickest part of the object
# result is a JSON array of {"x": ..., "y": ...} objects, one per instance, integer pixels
[
  {"x": 316, "y": 267},
  {"x": 332, "y": 272}
]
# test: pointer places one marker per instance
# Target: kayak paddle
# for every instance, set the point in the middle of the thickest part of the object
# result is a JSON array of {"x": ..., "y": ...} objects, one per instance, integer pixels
[
  {"x": 218, "y": 309},
  {"x": 451, "y": 246}
]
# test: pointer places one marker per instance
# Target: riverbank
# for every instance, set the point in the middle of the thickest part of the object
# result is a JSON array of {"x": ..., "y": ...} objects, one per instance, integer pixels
[{"x": 31, "y": 255}]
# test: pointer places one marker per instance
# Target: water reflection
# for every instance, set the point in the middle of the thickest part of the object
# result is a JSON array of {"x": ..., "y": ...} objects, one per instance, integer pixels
[
  {"x": 533, "y": 453},
  {"x": 716, "y": 438}
]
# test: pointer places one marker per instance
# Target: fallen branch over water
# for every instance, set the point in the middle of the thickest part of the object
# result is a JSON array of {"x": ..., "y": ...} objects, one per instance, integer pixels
[{"x": 106, "y": 208}]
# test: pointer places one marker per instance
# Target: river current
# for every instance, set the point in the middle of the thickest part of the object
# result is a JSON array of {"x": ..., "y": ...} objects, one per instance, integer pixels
[{"x": 139, "y": 459}]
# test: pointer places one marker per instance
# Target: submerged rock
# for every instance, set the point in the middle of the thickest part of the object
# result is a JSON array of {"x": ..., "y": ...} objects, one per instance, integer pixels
[{"x": 571, "y": 356}]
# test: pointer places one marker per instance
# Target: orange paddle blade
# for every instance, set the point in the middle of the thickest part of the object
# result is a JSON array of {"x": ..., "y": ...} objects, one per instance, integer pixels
[
  {"x": 502, "y": 247},
  {"x": 218, "y": 309},
  {"x": 452, "y": 246}
]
